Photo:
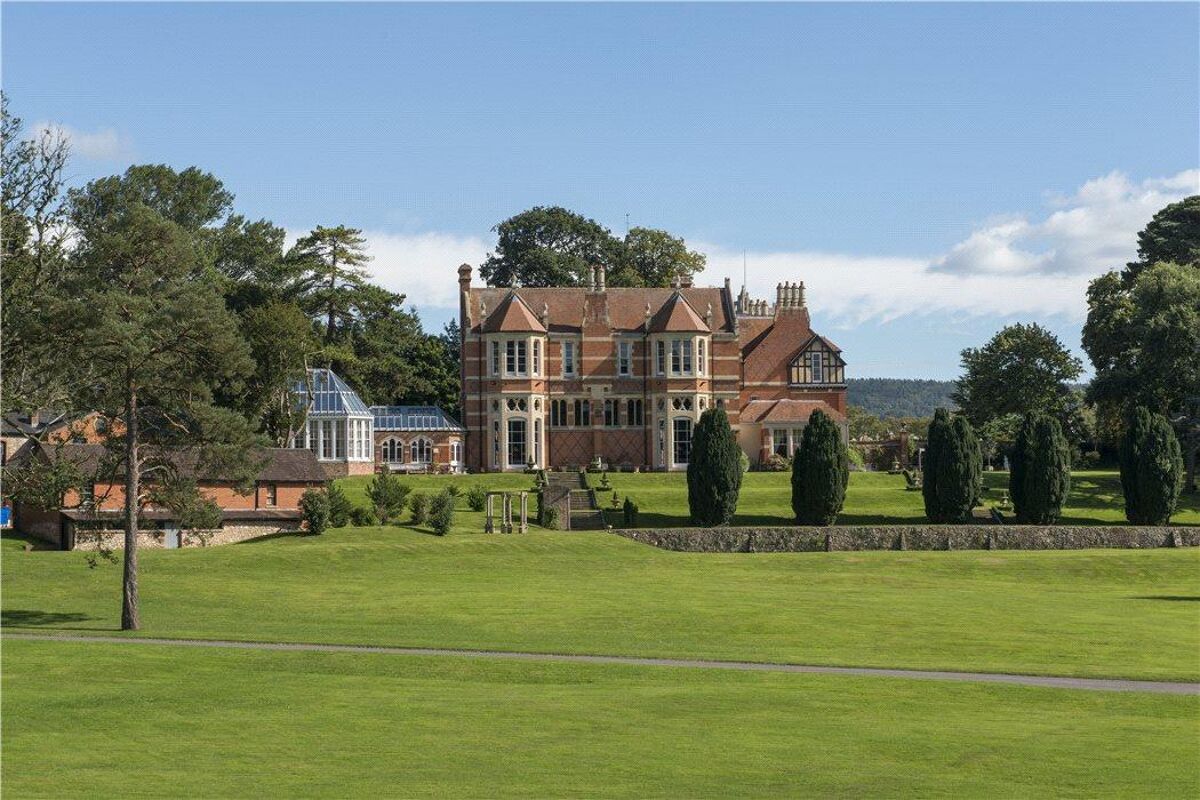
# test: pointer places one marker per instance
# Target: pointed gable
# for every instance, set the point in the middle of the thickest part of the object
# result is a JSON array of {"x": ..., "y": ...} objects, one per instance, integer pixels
[
  {"x": 513, "y": 315},
  {"x": 677, "y": 316}
]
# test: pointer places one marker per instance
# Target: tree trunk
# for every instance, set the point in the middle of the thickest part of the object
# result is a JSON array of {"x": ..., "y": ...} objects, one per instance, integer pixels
[
  {"x": 1189, "y": 482},
  {"x": 332, "y": 289},
  {"x": 129, "y": 586}
]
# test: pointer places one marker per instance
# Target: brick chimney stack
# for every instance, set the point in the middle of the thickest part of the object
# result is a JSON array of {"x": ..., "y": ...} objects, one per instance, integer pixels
[{"x": 600, "y": 278}]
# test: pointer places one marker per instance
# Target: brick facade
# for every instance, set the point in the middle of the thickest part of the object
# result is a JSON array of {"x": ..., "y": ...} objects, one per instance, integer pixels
[{"x": 559, "y": 376}]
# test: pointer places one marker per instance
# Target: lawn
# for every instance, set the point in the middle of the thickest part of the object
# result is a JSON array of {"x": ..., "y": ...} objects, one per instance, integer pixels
[
  {"x": 1099, "y": 613},
  {"x": 873, "y": 498},
  {"x": 88, "y": 720}
]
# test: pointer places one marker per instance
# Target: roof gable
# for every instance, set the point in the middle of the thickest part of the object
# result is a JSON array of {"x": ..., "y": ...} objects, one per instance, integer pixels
[
  {"x": 677, "y": 315},
  {"x": 513, "y": 315}
]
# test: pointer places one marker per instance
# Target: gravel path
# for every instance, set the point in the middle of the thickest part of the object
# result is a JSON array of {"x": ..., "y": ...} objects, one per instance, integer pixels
[{"x": 1094, "y": 684}]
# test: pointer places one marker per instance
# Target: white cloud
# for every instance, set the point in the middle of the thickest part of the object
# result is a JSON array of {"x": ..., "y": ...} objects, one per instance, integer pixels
[
  {"x": 1010, "y": 266},
  {"x": 1092, "y": 231},
  {"x": 102, "y": 144}
]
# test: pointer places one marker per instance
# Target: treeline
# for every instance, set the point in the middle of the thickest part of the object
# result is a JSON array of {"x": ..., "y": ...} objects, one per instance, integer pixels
[{"x": 899, "y": 397}]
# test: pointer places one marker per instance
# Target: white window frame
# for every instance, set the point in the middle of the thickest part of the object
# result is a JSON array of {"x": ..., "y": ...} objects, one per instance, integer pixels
[
  {"x": 624, "y": 359},
  {"x": 568, "y": 358}
]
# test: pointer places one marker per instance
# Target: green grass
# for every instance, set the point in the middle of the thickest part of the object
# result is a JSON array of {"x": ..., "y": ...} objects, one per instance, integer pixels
[
  {"x": 1101, "y": 613},
  {"x": 85, "y": 720}
]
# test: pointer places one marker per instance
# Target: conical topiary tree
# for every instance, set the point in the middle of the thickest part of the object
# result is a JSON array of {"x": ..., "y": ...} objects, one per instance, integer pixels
[
  {"x": 972, "y": 466},
  {"x": 820, "y": 471},
  {"x": 953, "y": 467},
  {"x": 714, "y": 473},
  {"x": 1151, "y": 468},
  {"x": 1040, "y": 475}
]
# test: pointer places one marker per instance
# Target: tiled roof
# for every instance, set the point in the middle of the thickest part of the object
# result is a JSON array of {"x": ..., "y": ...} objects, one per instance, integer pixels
[
  {"x": 414, "y": 418},
  {"x": 677, "y": 315},
  {"x": 279, "y": 463},
  {"x": 767, "y": 356},
  {"x": 626, "y": 307},
  {"x": 512, "y": 315},
  {"x": 786, "y": 410}
]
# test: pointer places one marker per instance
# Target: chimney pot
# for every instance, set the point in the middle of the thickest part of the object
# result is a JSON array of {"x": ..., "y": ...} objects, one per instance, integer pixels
[{"x": 600, "y": 278}]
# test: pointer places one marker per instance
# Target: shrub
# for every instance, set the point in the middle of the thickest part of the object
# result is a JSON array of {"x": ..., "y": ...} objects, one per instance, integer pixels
[
  {"x": 630, "y": 513},
  {"x": 314, "y": 505},
  {"x": 952, "y": 470},
  {"x": 714, "y": 471},
  {"x": 1040, "y": 472},
  {"x": 477, "y": 498},
  {"x": 441, "y": 513},
  {"x": 857, "y": 460},
  {"x": 776, "y": 463},
  {"x": 363, "y": 517},
  {"x": 550, "y": 518},
  {"x": 1151, "y": 468},
  {"x": 743, "y": 461},
  {"x": 388, "y": 495},
  {"x": 419, "y": 503},
  {"x": 820, "y": 472},
  {"x": 339, "y": 507},
  {"x": 453, "y": 490}
]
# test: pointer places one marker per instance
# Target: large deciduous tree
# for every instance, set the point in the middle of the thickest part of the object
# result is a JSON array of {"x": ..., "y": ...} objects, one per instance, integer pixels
[
  {"x": 548, "y": 246},
  {"x": 651, "y": 257},
  {"x": 714, "y": 472},
  {"x": 33, "y": 246},
  {"x": 1151, "y": 468},
  {"x": 1022, "y": 369},
  {"x": 1143, "y": 329},
  {"x": 1040, "y": 478},
  {"x": 820, "y": 472},
  {"x": 145, "y": 315}
]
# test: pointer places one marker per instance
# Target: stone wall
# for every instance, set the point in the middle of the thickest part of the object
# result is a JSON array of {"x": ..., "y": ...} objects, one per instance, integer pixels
[
  {"x": 913, "y": 537},
  {"x": 230, "y": 534}
]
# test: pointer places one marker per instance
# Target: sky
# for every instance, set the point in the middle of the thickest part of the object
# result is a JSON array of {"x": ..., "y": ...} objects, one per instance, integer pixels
[{"x": 931, "y": 172}]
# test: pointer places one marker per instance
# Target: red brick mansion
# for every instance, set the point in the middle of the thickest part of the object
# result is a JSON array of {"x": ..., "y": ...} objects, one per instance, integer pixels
[{"x": 559, "y": 376}]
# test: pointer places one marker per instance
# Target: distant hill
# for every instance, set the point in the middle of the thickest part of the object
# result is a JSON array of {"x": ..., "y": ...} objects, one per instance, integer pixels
[{"x": 898, "y": 397}]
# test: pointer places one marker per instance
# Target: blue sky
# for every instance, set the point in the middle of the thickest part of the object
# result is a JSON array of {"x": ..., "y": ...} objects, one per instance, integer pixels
[{"x": 931, "y": 172}]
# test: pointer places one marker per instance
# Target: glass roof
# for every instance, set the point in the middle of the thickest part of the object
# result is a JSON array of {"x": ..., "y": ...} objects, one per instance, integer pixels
[
  {"x": 413, "y": 418},
  {"x": 332, "y": 396}
]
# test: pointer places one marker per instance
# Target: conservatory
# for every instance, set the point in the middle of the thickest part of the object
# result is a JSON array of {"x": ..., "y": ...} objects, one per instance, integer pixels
[{"x": 340, "y": 426}]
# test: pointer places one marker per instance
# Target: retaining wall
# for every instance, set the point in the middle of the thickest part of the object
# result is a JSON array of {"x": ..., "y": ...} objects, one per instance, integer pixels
[{"x": 913, "y": 537}]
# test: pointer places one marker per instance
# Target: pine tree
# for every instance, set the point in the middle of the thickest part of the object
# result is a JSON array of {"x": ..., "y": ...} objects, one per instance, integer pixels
[
  {"x": 820, "y": 472},
  {"x": 714, "y": 473},
  {"x": 1040, "y": 477},
  {"x": 1151, "y": 468}
]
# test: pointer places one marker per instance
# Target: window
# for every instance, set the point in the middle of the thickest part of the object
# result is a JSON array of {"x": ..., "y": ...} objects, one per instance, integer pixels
[
  {"x": 514, "y": 357},
  {"x": 568, "y": 358},
  {"x": 779, "y": 443},
  {"x": 610, "y": 414},
  {"x": 624, "y": 358},
  {"x": 339, "y": 435},
  {"x": 700, "y": 356},
  {"x": 676, "y": 356},
  {"x": 456, "y": 452},
  {"x": 537, "y": 440},
  {"x": 583, "y": 413},
  {"x": 269, "y": 494},
  {"x": 687, "y": 356},
  {"x": 314, "y": 438},
  {"x": 327, "y": 438},
  {"x": 682, "y": 428},
  {"x": 421, "y": 451},
  {"x": 558, "y": 413},
  {"x": 516, "y": 442},
  {"x": 660, "y": 361},
  {"x": 817, "y": 374},
  {"x": 537, "y": 356},
  {"x": 633, "y": 412},
  {"x": 495, "y": 358},
  {"x": 393, "y": 452}
]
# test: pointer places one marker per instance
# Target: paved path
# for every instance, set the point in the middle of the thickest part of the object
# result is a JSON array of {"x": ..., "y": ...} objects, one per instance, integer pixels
[{"x": 1095, "y": 684}]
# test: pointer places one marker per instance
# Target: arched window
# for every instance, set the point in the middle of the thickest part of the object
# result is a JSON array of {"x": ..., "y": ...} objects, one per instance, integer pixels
[
  {"x": 421, "y": 451},
  {"x": 393, "y": 451}
]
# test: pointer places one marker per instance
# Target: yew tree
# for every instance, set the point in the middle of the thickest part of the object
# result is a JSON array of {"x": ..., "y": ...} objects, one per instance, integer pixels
[{"x": 714, "y": 472}]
